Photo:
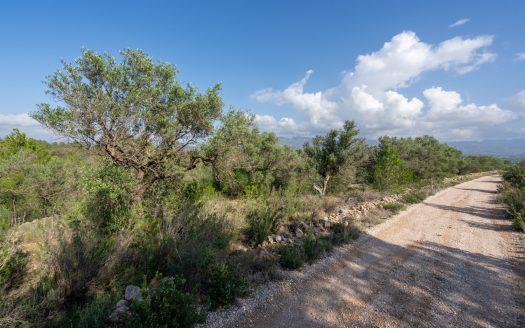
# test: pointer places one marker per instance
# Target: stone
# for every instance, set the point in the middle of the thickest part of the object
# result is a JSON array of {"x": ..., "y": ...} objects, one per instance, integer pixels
[
  {"x": 120, "y": 313},
  {"x": 132, "y": 293},
  {"x": 122, "y": 303},
  {"x": 299, "y": 233},
  {"x": 278, "y": 238}
]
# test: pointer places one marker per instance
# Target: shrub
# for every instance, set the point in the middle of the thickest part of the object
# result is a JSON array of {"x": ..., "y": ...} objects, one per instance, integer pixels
[
  {"x": 391, "y": 172},
  {"x": 224, "y": 285},
  {"x": 313, "y": 247},
  {"x": 262, "y": 222},
  {"x": 344, "y": 233},
  {"x": 165, "y": 306},
  {"x": 292, "y": 257},
  {"x": 394, "y": 207},
  {"x": 414, "y": 197},
  {"x": 93, "y": 314}
]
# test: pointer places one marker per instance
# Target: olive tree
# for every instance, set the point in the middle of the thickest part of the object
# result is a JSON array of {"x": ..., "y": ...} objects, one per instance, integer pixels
[
  {"x": 133, "y": 111},
  {"x": 334, "y": 151}
]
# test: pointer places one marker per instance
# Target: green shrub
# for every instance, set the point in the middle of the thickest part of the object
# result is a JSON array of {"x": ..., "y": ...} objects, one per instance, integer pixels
[
  {"x": 262, "y": 222},
  {"x": 342, "y": 234},
  {"x": 414, "y": 197},
  {"x": 165, "y": 306},
  {"x": 292, "y": 257},
  {"x": 224, "y": 285},
  {"x": 313, "y": 247},
  {"x": 391, "y": 172},
  {"x": 394, "y": 207},
  {"x": 92, "y": 314}
]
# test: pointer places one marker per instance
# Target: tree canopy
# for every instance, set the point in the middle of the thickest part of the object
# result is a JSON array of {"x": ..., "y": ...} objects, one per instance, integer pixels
[
  {"x": 330, "y": 153},
  {"x": 133, "y": 111}
]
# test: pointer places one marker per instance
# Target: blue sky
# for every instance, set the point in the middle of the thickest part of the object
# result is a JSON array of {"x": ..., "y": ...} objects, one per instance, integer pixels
[{"x": 259, "y": 49}]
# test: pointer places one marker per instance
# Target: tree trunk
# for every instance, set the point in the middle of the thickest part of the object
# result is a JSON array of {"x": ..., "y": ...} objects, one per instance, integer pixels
[
  {"x": 322, "y": 190},
  {"x": 141, "y": 186}
]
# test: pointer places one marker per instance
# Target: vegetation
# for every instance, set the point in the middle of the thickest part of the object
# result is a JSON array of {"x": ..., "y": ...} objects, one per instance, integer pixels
[
  {"x": 513, "y": 194},
  {"x": 159, "y": 188},
  {"x": 335, "y": 152}
]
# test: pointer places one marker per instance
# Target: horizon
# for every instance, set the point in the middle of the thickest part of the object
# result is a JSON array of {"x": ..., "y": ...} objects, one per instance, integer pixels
[{"x": 453, "y": 71}]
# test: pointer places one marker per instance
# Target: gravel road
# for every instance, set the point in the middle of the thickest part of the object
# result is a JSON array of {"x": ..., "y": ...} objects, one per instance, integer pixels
[{"x": 451, "y": 261}]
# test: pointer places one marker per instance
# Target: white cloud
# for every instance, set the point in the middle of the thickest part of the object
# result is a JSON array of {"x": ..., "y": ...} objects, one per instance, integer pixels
[
  {"x": 370, "y": 93},
  {"x": 26, "y": 124},
  {"x": 17, "y": 119},
  {"x": 520, "y": 56},
  {"x": 518, "y": 102},
  {"x": 447, "y": 107},
  {"x": 459, "y": 22}
]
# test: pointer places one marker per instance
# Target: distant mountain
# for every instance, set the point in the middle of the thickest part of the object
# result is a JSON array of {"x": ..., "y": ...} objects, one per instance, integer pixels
[{"x": 511, "y": 149}]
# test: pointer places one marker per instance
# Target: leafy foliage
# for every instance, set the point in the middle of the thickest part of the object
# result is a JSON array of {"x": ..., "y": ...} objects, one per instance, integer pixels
[
  {"x": 426, "y": 157},
  {"x": 335, "y": 151},
  {"x": 135, "y": 112},
  {"x": 513, "y": 194},
  {"x": 262, "y": 222},
  {"x": 248, "y": 162},
  {"x": 391, "y": 172},
  {"x": 165, "y": 306}
]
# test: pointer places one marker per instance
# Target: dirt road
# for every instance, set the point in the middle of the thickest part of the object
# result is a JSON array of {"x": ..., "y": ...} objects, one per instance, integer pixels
[{"x": 452, "y": 261}]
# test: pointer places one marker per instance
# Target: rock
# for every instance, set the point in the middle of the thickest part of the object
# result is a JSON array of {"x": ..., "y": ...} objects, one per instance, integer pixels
[
  {"x": 132, "y": 293},
  {"x": 122, "y": 303},
  {"x": 278, "y": 238},
  {"x": 304, "y": 226},
  {"x": 271, "y": 240},
  {"x": 120, "y": 313},
  {"x": 299, "y": 233},
  {"x": 327, "y": 224}
]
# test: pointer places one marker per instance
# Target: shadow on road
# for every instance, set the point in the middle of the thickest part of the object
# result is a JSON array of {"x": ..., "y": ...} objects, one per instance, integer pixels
[
  {"x": 478, "y": 190},
  {"x": 483, "y": 212},
  {"x": 424, "y": 285}
]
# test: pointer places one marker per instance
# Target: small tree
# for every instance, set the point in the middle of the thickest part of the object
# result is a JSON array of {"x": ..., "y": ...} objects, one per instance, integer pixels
[
  {"x": 390, "y": 172},
  {"x": 334, "y": 151},
  {"x": 134, "y": 112}
]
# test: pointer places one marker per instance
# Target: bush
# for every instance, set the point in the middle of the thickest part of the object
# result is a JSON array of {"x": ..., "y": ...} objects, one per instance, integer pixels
[
  {"x": 165, "y": 306},
  {"x": 513, "y": 194},
  {"x": 93, "y": 314},
  {"x": 343, "y": 234},
  {"x": 394, "y": 207},
  {"x": 262, "y": 222},
  {"x": 391, "y": 172},
  {"x": 414, "y": 197},
  {"x": 292, "y": 257},
  {"x": 224, "y": 285},
  {"x": 314, "y": 247}
]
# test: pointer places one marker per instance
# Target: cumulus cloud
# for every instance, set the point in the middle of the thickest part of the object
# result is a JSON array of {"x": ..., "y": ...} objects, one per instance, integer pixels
[
  {"x": 17, "y": 119},
  {"x": 518, "y": 102},
  {"x": 459, "y": 22},
  {"x": 370, "y": 93},
  {"x": 26, "y": 124}
]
